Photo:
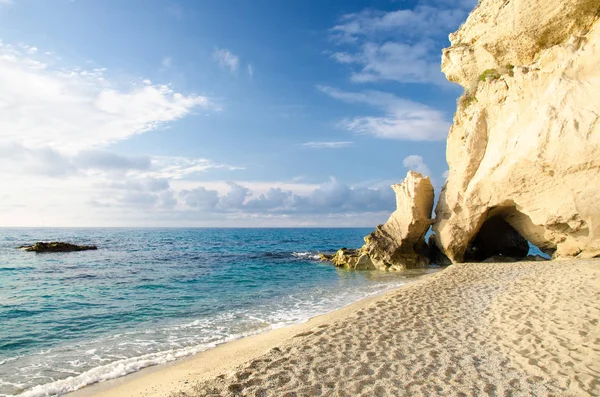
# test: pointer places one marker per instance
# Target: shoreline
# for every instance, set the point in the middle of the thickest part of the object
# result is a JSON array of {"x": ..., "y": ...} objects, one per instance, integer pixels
[
  {"x": 181, "y": 374},
  {"x": 521, "y": 328}
]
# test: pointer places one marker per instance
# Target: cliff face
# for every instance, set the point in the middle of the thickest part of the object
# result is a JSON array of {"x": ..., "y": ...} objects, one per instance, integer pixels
[{"x": 525, "y": 144}]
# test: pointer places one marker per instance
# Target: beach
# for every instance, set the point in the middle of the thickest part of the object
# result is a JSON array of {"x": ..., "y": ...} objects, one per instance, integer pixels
[
  {"x": 505, "y": 329},
  {"x": 287, "y": 199}
]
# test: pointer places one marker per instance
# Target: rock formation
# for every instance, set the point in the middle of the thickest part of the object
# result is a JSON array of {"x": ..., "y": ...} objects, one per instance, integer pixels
[
  {"x": 352, "y": 259},
  {"x": 57, "y": 246},
  {"x": 400, "y": 242},
  {"x": 525, "y": 144}
]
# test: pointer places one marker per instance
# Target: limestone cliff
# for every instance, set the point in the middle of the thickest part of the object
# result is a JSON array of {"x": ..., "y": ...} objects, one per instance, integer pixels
[
  {"x": 400, "y": 242},
  {"x": 525, "y": 144}
]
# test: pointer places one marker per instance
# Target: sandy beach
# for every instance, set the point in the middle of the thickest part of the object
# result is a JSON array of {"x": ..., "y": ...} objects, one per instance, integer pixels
[{"x": 499, "y": 329}]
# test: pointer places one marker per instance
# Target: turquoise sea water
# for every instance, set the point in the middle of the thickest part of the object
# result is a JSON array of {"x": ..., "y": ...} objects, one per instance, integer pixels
[{"x": 149, "y": 296}]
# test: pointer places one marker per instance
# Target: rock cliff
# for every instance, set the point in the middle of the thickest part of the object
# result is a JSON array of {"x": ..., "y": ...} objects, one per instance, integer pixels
[
  {"x": 400, "y": 242},
  {"x": 525, "y": 144}
]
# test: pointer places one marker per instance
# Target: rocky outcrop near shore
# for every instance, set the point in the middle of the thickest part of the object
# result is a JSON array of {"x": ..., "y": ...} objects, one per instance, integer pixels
[
  {"x": 525, "y": 144},
  {"x": 56, "y": 246},
  {"x": 400, "y": 242},
  {"x": 354, "y": 259}
]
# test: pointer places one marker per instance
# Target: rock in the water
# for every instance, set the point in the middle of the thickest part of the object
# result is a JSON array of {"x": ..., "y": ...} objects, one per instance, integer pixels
[
  {"x": 352, "y": 259},
  {"x": 525, "y": 143},
  {"x": 400, "y": 242},
  {"x": 325, "y": 257},
  {"x": 57, "y": 246}
]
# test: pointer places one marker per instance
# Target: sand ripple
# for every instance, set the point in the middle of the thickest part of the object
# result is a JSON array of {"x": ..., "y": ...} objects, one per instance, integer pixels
[{"x": 510, "y": 329}]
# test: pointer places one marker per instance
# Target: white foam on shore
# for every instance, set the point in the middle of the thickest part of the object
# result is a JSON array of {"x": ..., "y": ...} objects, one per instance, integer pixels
[
  {"x": 119, "y": 368},
  {"x": 125, "y": 366}
]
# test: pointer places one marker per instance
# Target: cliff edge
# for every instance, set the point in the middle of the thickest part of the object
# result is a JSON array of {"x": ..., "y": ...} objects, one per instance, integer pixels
[{"x": 525, "y": 144}]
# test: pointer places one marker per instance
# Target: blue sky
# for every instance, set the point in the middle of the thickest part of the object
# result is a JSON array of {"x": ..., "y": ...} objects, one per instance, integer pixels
[{"x": 219, "y": 113}]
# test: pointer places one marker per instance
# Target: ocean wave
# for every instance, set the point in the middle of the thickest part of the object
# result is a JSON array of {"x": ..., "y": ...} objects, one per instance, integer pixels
[
  {"x": 124, "y": 367},
  {"x": 307, "y": 255},
  {"x": 294, "y": 314},
  {"x": 79, "y": 277},
  {"x": 9, "y": 359},
  {"x": 15, "y": 269}
]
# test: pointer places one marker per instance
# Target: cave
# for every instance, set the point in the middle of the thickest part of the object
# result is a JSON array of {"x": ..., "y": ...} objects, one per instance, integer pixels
[
  {"x": 501, "y": 235},
  {"x": 496, "y": 237}
]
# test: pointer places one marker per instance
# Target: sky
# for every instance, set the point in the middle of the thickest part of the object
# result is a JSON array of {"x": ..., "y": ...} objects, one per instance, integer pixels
[{"x": 227, "y": 113}]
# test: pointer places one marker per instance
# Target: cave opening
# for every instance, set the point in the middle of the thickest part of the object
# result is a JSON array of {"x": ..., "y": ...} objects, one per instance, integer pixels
[{"x": 500, "y": 238}]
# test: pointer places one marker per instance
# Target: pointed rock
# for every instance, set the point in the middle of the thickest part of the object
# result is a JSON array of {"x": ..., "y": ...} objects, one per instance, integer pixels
[{"x": 400, "y": 242}]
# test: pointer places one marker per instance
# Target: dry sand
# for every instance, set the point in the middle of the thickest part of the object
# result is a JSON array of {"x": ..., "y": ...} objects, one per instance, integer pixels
[{"x": 501, "y": 329}]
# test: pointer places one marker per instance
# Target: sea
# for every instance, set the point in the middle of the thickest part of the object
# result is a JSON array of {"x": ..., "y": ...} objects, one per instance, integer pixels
[{"x": 152, "y": 296}]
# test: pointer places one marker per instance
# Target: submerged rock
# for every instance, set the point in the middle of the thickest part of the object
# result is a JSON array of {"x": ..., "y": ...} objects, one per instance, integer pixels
[
  {"x": 400, "y": 242},
  {"x": 525, "y": 143},
  {"x": 57, "y": 246}
]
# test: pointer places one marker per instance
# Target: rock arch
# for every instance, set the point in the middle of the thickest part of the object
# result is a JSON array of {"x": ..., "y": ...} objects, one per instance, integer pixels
[{"x": 505, "y": 231}]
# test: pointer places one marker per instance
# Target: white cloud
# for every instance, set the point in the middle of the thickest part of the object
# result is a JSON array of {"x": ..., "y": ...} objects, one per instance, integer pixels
[
  {"x": 174, "y": 167},
  {"x": 235, "y": 198},
  {"x": 446, "y": 174},
  {"x": 42, "y": 105},
  {"x": 6, "y": 2},
  {"x": 401, "y": 45},
  {"x": 108, "y": 161},
  {"x": 250, "y": 70},
  {"x": 135, "y": 194},
  {"x": 422, "y": 21},
  {"x": 226, "y": 59},
  {"x": 256, "y": 187},
  {"x": 56, "y": 128},
  {"x": 416, "y": 163},
  {"x": 330, "y": 197},
  {"x": 200, "y": 198},
  {"x": 105, "y": 200},
  {"x": 408, "y": 63},
  {"x": 401, "y": 119},
  {"x": 18, "y": 159},
  {"x": 327, "y": 145}
]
